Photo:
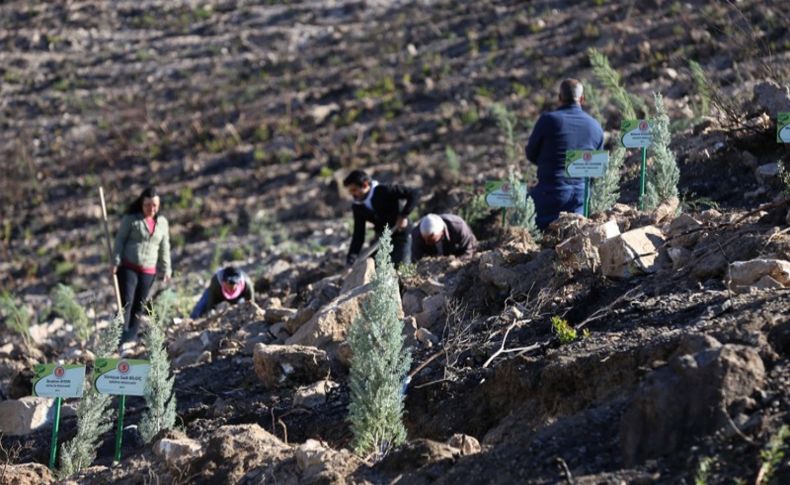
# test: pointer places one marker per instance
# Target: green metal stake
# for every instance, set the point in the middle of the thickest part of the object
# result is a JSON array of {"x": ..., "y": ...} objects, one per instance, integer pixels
[
  {"x": 642, "y": 178},
  {"x": 504, "y": 217},
  {"x": 587, "y": 197},
  {"x": 119, "y": 431},
  {"x": 53, "y": 450}
]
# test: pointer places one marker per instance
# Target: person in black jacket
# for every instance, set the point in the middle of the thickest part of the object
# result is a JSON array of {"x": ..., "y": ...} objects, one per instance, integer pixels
[
  {"x": 383, "y": 205},
  {"x": 442, "y": 235}
]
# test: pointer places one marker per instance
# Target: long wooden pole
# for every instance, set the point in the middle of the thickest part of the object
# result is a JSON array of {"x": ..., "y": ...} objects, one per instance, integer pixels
[{"x": 109, "y": 249}]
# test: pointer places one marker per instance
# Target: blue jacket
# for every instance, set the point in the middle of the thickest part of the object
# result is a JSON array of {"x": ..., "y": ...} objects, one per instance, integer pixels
[{"x": 568, "y": 128}]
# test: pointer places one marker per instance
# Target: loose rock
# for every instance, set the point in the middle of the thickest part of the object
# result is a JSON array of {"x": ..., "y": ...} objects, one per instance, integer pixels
[{"x": 286, "y": 365}]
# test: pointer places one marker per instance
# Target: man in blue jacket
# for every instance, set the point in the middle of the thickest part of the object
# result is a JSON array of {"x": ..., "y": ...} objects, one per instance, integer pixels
[{"x": 556, "y": 132}]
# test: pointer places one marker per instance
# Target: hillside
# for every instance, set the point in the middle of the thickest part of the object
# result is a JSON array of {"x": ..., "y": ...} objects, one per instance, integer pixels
[{"x": 247, "y": 115}]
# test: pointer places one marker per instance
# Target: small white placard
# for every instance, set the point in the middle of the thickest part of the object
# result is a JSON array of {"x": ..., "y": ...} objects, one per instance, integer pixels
[
  {"x": 121, "y": 376},
  {"x": 586, "y": 163},
  {"x": 54, "y": 380}
]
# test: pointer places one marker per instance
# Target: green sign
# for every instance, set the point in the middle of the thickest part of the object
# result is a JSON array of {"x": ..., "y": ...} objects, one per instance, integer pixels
[
  {"x": 586, "y": 163},
  {"x": 121, "y": 377},
  {"x": 499, "y": 194},
  {"x": 783, "y": 128},
  {"x": 636, "y": 133},
  {"x": 55, "y": 380}
]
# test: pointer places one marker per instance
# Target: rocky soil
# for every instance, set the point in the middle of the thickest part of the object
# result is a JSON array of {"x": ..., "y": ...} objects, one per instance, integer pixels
[{"x": 247, "y": 114}]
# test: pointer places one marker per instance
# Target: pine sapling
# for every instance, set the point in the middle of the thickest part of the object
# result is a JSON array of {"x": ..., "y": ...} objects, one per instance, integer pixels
[
  {"x": 606, "y": 190},
  {"x": 17, "y": 318},
  {"x": 523, "y": 213},
  {"x": 610, "y": 80},
  {"x": 161, "y": 412},
  {"x": 379, "y": 364},
  {"x": 94, "y": 415},
  {"x": 506, "y": 121},
  {"x": 703, "y": 89},
  {"x": 64, "y": 303},
  {"x": 663, "y": 178}
]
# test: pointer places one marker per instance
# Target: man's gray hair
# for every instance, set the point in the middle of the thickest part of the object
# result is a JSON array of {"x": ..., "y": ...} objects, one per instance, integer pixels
[{"x": 571, "y": 91}]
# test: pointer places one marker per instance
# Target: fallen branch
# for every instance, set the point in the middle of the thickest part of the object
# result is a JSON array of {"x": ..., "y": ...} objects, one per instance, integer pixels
[
  {"x": 603, "y": 312},
  {"x": 502, "y": 349}
]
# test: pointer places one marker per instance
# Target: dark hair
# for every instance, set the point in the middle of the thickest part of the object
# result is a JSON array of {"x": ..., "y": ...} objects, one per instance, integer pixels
[
  {"x": 571, "y": 90},
  {"x": 136, "y": 207},
  {"x": 357, "y": 177},
  {"x": 231, "y": 274}
]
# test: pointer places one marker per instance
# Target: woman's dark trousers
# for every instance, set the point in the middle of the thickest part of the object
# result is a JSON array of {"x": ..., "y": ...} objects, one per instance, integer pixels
[{"x": 134, "y": 294}]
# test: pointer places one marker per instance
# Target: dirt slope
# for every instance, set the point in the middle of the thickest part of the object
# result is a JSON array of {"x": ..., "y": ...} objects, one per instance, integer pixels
[{"x": 246, "y": 114}]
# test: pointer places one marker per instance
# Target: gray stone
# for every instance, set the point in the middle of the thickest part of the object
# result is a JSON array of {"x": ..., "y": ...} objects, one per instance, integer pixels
[
  {"x": 412, "y": 301},
  {"x": 287, "y": 365},
  {"x": 469, "y": 445},
  {"x": 767, "y": 172},
  {"x": 632, "y": 252},
  {"x": 314, "y": 395},
  {"x": 19, "y": 417},
  {"x": 772, "y": 98},
  {"x": 744, "y": 274},
  {"x": 362, "y": 272},
  {"x": 179, "y": 451},
  {"x": 276, "y": 315}
]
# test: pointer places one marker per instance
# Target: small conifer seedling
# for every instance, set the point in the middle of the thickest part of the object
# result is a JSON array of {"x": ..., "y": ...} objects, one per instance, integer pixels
[
  {"x": 379, "y": 363},
  {"x": 94, "y": 415},
  {"x": 606, "y": 190},
  {"x": 663, "y": 178},
  {"x": 64, "y": 303},
  {"x": 161, "y": 412}
]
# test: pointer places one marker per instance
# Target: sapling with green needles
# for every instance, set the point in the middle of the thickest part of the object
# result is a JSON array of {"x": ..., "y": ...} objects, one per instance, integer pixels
[
  {"x": 94, "y": 415},
  {"x": 379, "y": 364}
]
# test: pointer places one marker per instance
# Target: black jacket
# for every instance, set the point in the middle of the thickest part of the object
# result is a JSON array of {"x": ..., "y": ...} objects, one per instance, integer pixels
[
  {"x": 389, "y": 202},
  {"x": 458, "y": 240}
]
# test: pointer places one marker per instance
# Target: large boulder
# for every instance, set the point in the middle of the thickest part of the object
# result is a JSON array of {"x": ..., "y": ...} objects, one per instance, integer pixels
[
  {"x": 581, "y": 250},
  {"x": 432, "y": 310},
  {"x": 684, "y": 231},
  {"x": 772, "y": 98},
  {"x": 759, "y": 273},
  {"x": 287, "y": 365},
  {"x": 362, "y": 272},
  {"x": 328, "y": 328},
  {"x": 234, "y": 450},
  {"x": 633, "y": 252},
  {"x": 663, "y": 416},
  {"x": 19, "y": 417}
]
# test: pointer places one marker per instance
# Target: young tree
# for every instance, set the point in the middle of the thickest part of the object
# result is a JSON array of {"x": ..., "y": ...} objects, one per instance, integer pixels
[
  {"x": 523, "y": 213},
  {"x": 662, "y": 181},
  {"x": 65, "y": 304},
  {"x": 610, "y": 80},
  {"x": 606, "y": 190},
  {"x": 161, "y": 412},
  {"x": 379, "y": 364},
  {"x": 94, "y": 416}
]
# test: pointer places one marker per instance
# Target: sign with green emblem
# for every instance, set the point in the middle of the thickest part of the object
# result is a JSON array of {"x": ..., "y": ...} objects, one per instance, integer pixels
[
  {"x": 118, "y": 377},
  {"x": 55, "y": 380}
]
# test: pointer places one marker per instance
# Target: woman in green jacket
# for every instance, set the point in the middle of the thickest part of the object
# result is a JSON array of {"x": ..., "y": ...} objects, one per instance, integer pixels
[{"x": 142, "y": 249}]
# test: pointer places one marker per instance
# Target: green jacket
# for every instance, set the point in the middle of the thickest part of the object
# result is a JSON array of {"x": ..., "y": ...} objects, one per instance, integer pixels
[{"x": 135, "y": 245}]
